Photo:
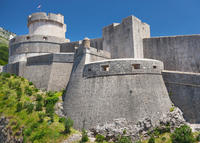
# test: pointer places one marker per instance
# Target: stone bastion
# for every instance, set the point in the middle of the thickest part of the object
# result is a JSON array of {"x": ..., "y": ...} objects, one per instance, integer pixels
[{"x": 101, "y": 91}]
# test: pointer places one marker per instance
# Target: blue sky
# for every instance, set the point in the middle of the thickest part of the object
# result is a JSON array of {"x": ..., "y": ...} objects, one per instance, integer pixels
[{"x": 86, "y": 18}]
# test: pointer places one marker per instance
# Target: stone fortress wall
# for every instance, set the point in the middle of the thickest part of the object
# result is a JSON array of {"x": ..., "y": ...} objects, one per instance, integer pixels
[
  {"x": 22, "y": 47},
  {"x": 118, "y": 75},
  {"x": 180, "y": 55},
  {"x": 114, "y": 88},
  {"x": 38, "y": 57}
]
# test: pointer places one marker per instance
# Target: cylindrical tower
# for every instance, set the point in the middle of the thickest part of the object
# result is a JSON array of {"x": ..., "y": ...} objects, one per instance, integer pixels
[
  {"x": 50, "y": 25},
  {"x": 46, "y": 34}
]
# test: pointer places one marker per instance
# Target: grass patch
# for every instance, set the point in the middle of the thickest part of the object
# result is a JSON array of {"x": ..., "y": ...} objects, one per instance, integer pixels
[
  {"x": 3, "y": 51},
  {"x": 26, "y": 107}
]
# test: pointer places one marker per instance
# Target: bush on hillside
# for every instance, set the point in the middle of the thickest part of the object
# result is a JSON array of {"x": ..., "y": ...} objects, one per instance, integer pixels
[
  {"x": 29, "y": 108},
  {"x": 100, "y": 138},
  {"x": 182, "y": 135},
  {"x": 151, "y": 140},
  {"x": 39, "y": 97},
  {"x": 84, "y": 136},
  {"x": 19, "y": 107},
  {"x": 28, "y": 91},
  {"x": 38, "y": 106},
  {"x": 68, "y": 125},
  {"x": 124, "y": 139}
]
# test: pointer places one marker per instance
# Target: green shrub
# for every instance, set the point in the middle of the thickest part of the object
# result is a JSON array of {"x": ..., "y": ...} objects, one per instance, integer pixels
[
  {"x": 29, "y": 108},
  {"x": 49, "y": 109},
  {"x": 138, "y": 141},
  {"x": 30, "y": 83},
  {"x": 39, "y": 97},
  {"x": 51, "y": 100},
  {"x": 27, "y": 132},
  {"x": 34, "y": 125},
  {"x": 28, "y": 91},
  {"x": 41, "y": 117},
  {"x": 38, "y": 135},
  {"x": 100, "y": 138},
  {"x": 68, "y": 124},
  {"x": 198, "y": 137},
  {"x": 182, "y": 135},
  {"x": 38, "y": 106},
  {"x": 62, "y": 119},
  {"x": 160, "y": 130},
  {"x": 163, "y": 139},
  {"x": 172, "y": 109},
  {"x": 19, "y": 94},
  {"x": 19, "y": 107},
  {"x": 50, "y": 94},
  {"x": 151, "y": 140},
  {"x": 36, "y": 90},
  {"x": 5, "y": 97},
  {"x": 6, "y": 75},
  {"x": 124, "y": 139},
  {"x": 84, "y": 136}
]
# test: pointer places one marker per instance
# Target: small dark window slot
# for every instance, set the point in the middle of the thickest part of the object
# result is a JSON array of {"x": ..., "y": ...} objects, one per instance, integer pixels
[
  {"x": 89, "y": 70},
  {"x": 136, "y": 66},
  {"x": 105, "y": 68},
  {"x": 45, "y": 38},
  {"x": 154, "y": 67}
]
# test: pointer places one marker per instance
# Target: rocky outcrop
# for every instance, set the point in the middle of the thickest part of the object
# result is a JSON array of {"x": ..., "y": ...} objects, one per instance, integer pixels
[
  {"x": 6, "y": 134},
  {"x": 112, "y": 129},
  {"x": 59, "y": 108}
]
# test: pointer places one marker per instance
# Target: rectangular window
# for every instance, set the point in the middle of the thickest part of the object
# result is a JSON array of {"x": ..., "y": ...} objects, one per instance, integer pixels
[
  {"x": 136, "y": 66},
  {"x": 105, "y": 68},
  {"x": 154, "y": 67}
]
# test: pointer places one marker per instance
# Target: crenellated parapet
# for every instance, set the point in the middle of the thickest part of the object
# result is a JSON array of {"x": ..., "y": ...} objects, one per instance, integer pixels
[
  {"x": 42, "y": 16},
  {"x": 43, "y": 24}
]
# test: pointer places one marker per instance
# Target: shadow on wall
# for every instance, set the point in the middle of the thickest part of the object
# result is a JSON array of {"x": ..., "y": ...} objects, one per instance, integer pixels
[{"x": 184, "y": 91}]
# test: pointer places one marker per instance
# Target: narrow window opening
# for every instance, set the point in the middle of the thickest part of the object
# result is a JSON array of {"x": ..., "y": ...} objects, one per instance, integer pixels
[
  {"x": 154, "y": 67},
  {"x": 27, "y": 38},
  {"x": 45, "y": 38},
  {"x": 105, "y": 68},
  {"x": 89, "y": 70},
  {"x": 136, "y": 66}
]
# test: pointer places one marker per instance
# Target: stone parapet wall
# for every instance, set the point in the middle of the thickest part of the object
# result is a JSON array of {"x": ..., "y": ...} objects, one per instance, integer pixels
[
  {"x": 43, "y": 16},
  {"x": 71, "y": 46},
  {"x": 48, "y": 72},
  {"x": 36, "y": 38},
  {"x": 178, "y": 53},
  {"x": 22, "y": 47},
  {"x": 122, "y": 67},
  {"x": 51, "y": 58},
  {"x": 184, "y": 91}
]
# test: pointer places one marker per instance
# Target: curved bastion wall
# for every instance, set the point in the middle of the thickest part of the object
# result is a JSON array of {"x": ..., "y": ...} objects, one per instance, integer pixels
[
  {"x": 22, "y": 47},
  {"x": 43, "y": 24},
  {"x": 100, "y": 91}
]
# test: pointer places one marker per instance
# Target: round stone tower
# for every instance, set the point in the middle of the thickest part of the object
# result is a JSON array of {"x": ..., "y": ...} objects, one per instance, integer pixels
[
  {"x": 43, "y": 24},
  {"x": 46, "y": 34}
]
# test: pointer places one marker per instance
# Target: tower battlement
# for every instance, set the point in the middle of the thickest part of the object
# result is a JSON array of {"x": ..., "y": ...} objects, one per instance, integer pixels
[
  {"x": 47, "y": 24},
  {"x": 42, "y": 16}
]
